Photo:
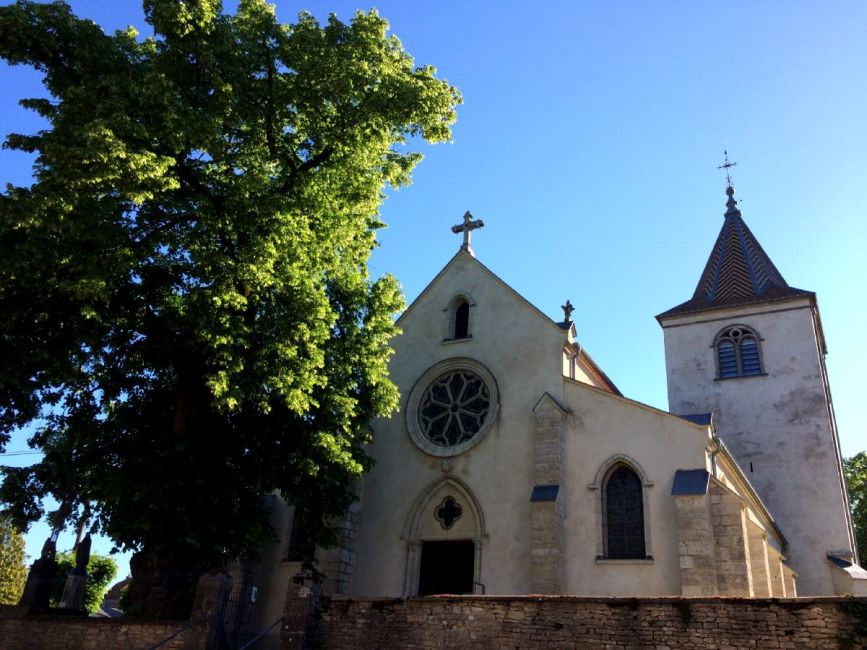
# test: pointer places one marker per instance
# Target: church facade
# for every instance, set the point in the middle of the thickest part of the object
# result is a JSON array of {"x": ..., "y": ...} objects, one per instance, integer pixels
[{"x": 516, "y": 466}]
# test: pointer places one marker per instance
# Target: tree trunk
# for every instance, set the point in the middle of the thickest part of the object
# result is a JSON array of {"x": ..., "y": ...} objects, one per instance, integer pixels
[{"x": 162, "y": 587}]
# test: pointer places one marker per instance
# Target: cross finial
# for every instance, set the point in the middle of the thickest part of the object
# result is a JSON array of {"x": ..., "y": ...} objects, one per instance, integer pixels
[
  {"x": 727, "y": 166},
  {"x": 467, "y": 227},
  {"x": 567, "y": 312}
]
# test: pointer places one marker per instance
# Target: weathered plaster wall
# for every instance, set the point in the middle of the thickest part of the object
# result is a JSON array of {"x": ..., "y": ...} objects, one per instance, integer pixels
[{"x": 777, "y": 426}]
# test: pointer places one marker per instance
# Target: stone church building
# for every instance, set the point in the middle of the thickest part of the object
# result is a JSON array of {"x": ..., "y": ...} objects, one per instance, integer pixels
[{"x": 516, "y": 466}]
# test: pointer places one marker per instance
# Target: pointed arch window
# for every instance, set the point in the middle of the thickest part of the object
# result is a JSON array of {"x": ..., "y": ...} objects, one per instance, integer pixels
[
  {"x": 738, "y": 353},
  {"x": 623, "y": 514}
]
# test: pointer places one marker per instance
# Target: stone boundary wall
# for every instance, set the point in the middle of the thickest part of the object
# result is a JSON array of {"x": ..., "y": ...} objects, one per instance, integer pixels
[
  {"x": 561, "y": 622},
  {"x": 499, "y": 622},
  {"x": 64, "y": 633}
]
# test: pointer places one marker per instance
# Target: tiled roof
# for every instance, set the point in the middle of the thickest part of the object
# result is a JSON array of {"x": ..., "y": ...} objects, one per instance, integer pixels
[{"x": 738, "y": 271}]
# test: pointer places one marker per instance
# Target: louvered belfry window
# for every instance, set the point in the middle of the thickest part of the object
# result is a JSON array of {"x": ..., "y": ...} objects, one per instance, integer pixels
[
  {"x": 624, "y": 515},
  {"x": 750, "y": 356},
  {"x": 737, "y": 350},
  {"x": 728, "y": 361}
]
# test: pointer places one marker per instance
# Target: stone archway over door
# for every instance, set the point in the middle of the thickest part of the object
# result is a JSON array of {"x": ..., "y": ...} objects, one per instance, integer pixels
[{"x": 444, "y": 531}]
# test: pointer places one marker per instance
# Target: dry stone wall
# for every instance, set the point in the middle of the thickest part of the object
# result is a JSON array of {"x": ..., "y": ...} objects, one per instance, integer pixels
[
  {"x": 63, "y": 633},
  {"x": 493, "y": 622},
  {"x": 561, "y": 622}
]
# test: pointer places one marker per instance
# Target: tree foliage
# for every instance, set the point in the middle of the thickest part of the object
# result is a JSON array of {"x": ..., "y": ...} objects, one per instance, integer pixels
[
  {"x": 186, "y": 314},
  {"x": 13, "y": 567},
  {"x": 101, "y": 571},
  {"x": 855, "y": 469}
]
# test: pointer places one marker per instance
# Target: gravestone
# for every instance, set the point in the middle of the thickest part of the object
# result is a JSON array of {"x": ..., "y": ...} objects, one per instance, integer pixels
[
  {"x": 40, "y": 581},
  {"x": 76, "y": 582}
]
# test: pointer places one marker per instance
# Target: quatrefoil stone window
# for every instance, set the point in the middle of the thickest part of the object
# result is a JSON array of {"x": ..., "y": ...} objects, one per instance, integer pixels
[
  {"x": 452, "y": 406},
  {"x": 448, "y": 512}
]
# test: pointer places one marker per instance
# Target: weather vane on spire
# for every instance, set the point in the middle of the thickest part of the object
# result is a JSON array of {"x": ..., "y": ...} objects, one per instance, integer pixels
[
  {"x": 467, "y": 227},
  {"x": 727, "y": 166}
]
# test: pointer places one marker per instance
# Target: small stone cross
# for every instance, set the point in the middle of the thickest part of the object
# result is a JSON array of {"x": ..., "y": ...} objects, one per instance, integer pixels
[
  {"x": 448, "y": 513},
  {"x": 567, "y": 311},
  {"x": 467, "y": 227}
]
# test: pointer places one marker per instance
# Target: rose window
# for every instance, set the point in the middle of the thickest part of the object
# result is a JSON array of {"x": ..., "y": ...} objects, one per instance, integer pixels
[{"x": 453, "y": 408}]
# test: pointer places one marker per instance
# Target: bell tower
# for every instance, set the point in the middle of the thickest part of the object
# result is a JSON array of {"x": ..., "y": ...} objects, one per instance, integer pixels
[{"x": 749, "y": 348}]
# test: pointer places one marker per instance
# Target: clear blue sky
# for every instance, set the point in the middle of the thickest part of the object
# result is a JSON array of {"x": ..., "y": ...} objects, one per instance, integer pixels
[{"x": 588, "y": 142}]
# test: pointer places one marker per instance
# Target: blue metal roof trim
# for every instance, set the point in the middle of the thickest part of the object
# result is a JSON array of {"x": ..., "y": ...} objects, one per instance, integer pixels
[
  {"x": 545, "y": 493},
  {"x": 690, "y": 481},
  {"x": 839, "y": 561},
  {"x": 698, "y": 418}
]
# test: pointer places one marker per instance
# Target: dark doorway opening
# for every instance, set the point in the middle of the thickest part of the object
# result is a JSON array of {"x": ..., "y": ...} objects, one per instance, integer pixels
[{"x": 446, "y": 567}]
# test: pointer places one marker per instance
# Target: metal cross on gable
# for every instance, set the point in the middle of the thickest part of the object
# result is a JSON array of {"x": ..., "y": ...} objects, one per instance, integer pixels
[
  {"x": 567, "y": 311},
  {"x": 467, "y": 227},
  {"x": 727, "y": 166}
]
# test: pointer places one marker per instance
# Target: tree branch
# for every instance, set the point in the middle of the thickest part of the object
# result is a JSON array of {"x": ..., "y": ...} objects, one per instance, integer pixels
[{"x": 315, "y": 161}]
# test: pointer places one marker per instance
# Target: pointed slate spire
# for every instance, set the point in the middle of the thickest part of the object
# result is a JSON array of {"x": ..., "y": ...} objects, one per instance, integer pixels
[{"x": 738, "y": 270}]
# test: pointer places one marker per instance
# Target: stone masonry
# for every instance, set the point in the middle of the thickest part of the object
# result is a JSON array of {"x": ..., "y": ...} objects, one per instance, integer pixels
[
  {"x": 728, "y": 520},
  {"x": 547, "y": 553},
  {"x": 566, "y": 622},
  {"x": 696, "y": 546},
  {"x": 60, "y": 633},
  {"x": 723, "y": 552},
  {"x": 339, "y": 562},
  {"x": 493, "y": 623},
  {"x": 759, "y": 564}
]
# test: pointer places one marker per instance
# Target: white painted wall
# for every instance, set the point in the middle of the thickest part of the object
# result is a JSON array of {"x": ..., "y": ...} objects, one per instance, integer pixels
[
  {"x": 523, "y": 350},
  {"x": 603, "y": 425}
]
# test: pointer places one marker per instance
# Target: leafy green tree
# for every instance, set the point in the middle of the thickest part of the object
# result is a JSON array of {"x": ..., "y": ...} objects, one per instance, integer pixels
[
  {"x": 185, "y": 309},
  {"x": 855, "y": 469},
  {"x": 13, "y": 567},
  {"x": 101, "y": 571}
]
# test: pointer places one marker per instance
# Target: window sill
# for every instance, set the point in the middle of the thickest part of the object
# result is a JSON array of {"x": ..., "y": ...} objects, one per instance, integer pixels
[
  {"x": 636, "y": 560},
  {"x": 761, "y": 374},
  {"x": 463, "y": 340}
]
